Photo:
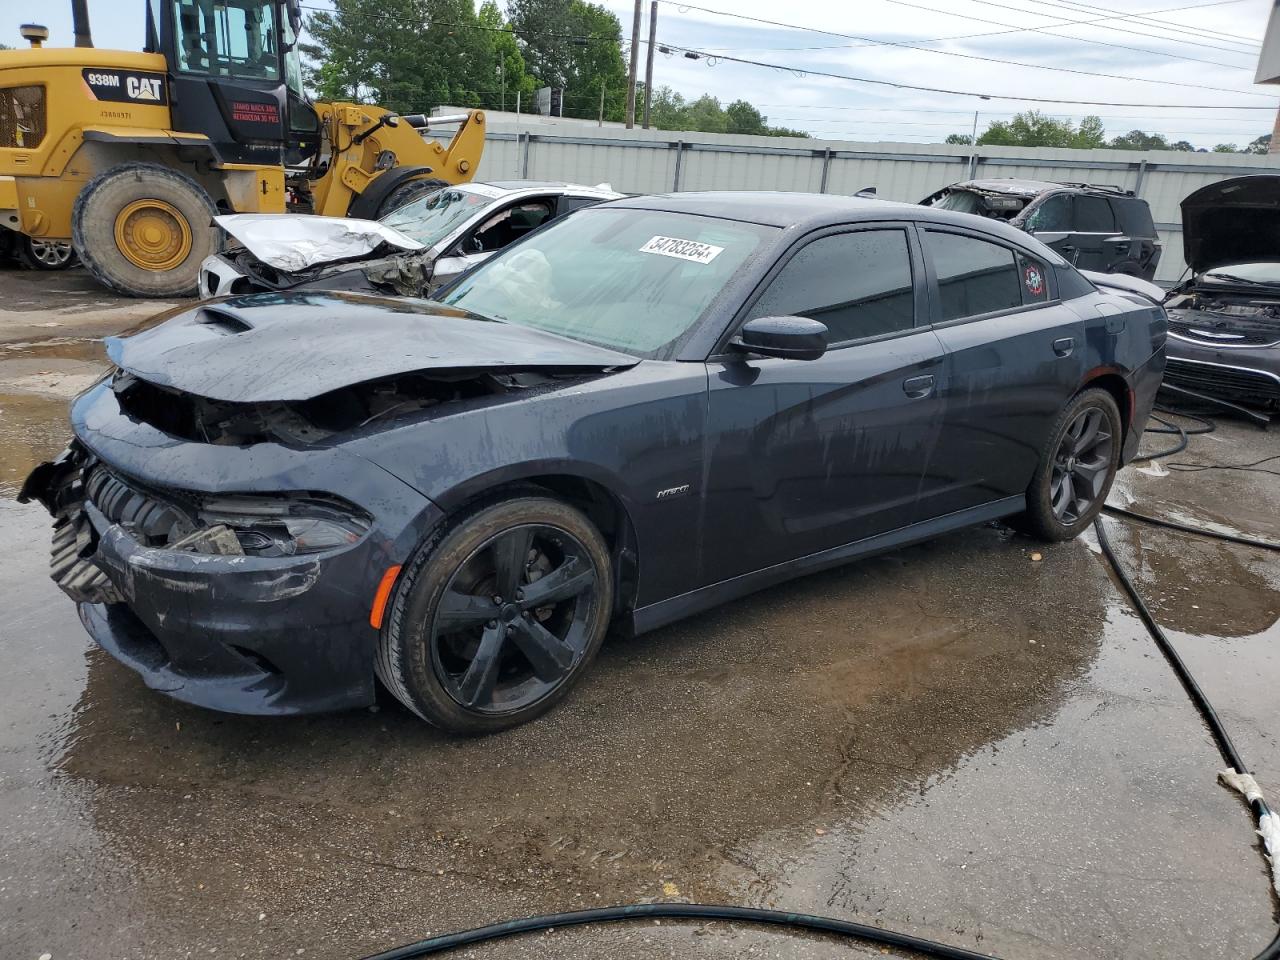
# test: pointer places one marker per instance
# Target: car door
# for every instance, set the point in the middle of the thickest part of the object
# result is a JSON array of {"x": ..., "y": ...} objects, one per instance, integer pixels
[
  {"x": 1093, "y": 236},
  {"x": 803, "y": 456},
  {"x": 498, "y": 229},
  {"x": 1014, "y": 355}
]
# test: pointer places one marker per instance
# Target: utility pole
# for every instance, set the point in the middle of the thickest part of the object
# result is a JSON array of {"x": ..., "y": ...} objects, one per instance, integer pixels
[
  {"x": 648, "y": 67},
  {"x": 631, "y": 73},
  {"x": 502, "y": 80}
]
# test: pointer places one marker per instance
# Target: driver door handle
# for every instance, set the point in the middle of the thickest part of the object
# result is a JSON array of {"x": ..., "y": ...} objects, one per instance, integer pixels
[
  {"x": 918, "y": 387},
  {"x": 1064, "y": 346}
]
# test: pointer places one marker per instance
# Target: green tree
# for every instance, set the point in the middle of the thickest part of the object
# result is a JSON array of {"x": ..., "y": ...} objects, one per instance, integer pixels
[
  {"x": 576, "y": 46},
  {"x": 959, "y": 139},
  {"x": 513, "y": 76},
  {"x": 1184, "y": 145},
  {"x": 405, "y": 55},
  {"x": 1226, "y": 148},
  {"x": 1261, "y": 144},
  {"x": 1034, "y": 129},
  {"x": 742, "y": 117},
  {"x": 1139, "y": 140}
]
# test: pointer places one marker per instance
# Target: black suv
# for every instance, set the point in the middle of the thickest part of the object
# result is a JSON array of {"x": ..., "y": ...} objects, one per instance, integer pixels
[{"x": 1097, "y": 227}]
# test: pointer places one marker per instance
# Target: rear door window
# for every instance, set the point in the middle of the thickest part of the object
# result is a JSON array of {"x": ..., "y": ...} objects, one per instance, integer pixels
[
  {"x": 508, "y": 225},
  {"x": 1134, "y": 217},
  {"x": 1053, "y": 215},
  {"x": 974, "y": 276},
  {"x": 1093, "y": 215},
  {"x": 859, "y": 284}
]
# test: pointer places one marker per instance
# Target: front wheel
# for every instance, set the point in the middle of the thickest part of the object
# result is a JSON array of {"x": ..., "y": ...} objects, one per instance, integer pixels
[
  {"x": 498, "y": 616},
  {"x": 1076, "y": 468}
]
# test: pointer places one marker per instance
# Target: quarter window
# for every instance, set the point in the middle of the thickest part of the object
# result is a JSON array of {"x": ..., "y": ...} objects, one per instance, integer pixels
[
  {"x": 858, "y": 284},
  {"x": 1134, "y": 217},
  {"x": 974, "y": 276},
  {"x": 1093, "y": 215}
]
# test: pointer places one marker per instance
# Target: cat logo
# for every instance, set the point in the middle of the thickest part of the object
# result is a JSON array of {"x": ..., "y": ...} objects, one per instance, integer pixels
[{"x": 143, "y": 88}]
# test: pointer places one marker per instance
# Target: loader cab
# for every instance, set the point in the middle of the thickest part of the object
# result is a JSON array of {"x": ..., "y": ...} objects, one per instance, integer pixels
[{"x": 235, "y": 75}]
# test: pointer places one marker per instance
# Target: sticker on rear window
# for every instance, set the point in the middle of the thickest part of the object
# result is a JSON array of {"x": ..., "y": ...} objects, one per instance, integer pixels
[
  {"x": 1034, "y": 280},
  {"x": 682, "y": 249}
]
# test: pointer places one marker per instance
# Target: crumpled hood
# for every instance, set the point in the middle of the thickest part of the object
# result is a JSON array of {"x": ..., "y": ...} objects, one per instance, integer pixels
[
  {"x": 295, "y": 241},
  {"x": 1232, "y": 221},
  {"x": 295, "y": 346}
]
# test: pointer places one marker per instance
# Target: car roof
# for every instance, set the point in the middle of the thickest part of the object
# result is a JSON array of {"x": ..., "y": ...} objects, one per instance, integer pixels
[
  {"x": 555, "y": 186},
  {"x": 809, "y": 211},
  {"x": 1030, "y": 188}
]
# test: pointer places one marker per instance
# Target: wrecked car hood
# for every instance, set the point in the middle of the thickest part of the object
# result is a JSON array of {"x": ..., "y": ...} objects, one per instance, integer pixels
[
  {"x": 1232, "y": 221},
  {"x": 295, "y": 241},
  {"x": 295, "y": 346}
]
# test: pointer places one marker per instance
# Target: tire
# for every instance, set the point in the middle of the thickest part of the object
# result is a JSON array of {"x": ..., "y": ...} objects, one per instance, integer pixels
[
  {"x": 143, "y": 230},
  {"x": 407, "y": 193},
  {"x": 45, "y": 254},
  {"x": 1055, "y": 510},
  {"x": 433, "y": 650}
]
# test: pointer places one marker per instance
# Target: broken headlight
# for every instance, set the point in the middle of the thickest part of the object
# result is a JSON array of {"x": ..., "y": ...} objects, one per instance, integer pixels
[{"x": 285, "y": 526}]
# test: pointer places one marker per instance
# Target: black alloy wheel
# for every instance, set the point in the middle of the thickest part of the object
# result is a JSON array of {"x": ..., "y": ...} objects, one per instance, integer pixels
[
  {"x": 1081, "y": 465},
  {"x": 497, "y": 615},
  {"x": 514, "y": 619},
  {"x": 1077, "y": 466}
]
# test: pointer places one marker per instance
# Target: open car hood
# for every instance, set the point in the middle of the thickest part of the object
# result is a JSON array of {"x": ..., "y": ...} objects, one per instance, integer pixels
[
  {"x": 1232, "y": 221},
  {"x": 295, "y": 346},
  {"x": 295, "y": 241}
]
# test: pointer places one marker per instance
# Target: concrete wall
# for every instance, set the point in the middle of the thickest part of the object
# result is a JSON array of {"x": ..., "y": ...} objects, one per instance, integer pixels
[{"x": 655, "y": 161}]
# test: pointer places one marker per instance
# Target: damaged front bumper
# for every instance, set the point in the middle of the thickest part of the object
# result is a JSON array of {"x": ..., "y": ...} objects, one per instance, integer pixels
[{"x": 225, "y": 630}]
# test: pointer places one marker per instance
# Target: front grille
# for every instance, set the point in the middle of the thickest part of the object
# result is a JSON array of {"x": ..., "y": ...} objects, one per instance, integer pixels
[
  {"x": 151, "y": 521},
  {"x": 1241, "y": 334},
  {"x": 1228, "y": 383}
]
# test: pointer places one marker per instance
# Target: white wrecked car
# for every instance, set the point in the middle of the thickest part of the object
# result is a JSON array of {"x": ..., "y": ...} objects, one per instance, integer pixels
[{"x": 410, "y": 251}]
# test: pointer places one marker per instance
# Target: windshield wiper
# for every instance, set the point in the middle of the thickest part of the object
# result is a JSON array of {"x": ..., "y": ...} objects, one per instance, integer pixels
[{"x": 1232, "y": 278}]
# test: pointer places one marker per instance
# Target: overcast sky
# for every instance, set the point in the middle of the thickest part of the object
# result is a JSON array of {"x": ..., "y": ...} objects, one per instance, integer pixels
[{"x": 1220, "y": 37}]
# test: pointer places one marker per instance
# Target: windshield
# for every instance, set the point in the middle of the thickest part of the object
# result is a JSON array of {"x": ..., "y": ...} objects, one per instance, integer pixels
[
  {"x": 1248, "y": 272},
  {"x": 633, "y": 280},
  {"x": 432, "y": 218}
]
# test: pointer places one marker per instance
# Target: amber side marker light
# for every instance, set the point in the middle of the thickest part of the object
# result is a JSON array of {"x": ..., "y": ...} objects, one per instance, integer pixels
[{"x": 382, "y": 596}]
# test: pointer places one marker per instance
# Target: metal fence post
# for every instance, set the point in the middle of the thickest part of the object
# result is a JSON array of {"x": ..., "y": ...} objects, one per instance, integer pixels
[
  {"x": 1142, "y": 174},
  {"x": 524, "y": 169},
  {"x": 826, "y": 169},
  {"x": 675, "y": 180}
]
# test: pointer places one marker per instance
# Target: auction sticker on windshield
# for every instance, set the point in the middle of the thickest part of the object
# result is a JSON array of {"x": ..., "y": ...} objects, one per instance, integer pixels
[{"x": 682, "y": 249}]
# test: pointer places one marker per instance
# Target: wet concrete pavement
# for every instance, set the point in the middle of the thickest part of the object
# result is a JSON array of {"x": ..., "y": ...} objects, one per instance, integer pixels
[{"x": 954, "y": 740}]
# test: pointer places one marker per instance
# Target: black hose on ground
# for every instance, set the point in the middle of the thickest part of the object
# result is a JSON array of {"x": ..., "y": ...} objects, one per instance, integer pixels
[
  {"x": 1196, "y": 531},
  {"x": 860, "y": 931}
]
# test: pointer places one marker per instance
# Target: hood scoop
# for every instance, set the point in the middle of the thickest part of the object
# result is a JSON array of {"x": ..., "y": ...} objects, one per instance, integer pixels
[{"x": 223, "y": 319}]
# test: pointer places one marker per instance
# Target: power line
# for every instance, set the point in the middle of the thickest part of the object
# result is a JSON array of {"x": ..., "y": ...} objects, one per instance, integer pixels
[
  {"x": 1145, "y": 17},
  {"x": 809, "y": 72},
  {"x": 1047, "y": 30},
  {"x": 1050, "y": 29},
  {"x": 1200, "y": 44},
  {"x": 966, "y": 56}
]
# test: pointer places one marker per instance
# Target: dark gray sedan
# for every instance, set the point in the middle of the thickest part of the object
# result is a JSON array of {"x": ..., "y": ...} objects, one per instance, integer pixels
[{"x": 651, "y": 407}]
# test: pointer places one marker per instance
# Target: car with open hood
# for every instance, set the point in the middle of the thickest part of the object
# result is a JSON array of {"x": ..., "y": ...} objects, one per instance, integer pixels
[
  {"x": 1098, "y": 227},
  {"x": 410, "y": 251},
  {"x": 650, "y": 407},
  {"x": 1224, "y": 321}
]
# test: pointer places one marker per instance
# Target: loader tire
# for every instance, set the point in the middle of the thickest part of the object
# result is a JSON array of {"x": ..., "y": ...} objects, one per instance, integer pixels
[{"x": 143, "y": 230}]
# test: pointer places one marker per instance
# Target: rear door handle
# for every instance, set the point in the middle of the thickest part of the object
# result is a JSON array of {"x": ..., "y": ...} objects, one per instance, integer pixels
[
  {"x": 1064, "y": 346},
  {"x": 917, "y": 387}
]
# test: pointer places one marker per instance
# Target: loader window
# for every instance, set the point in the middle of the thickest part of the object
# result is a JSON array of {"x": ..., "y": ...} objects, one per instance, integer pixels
[
  {"x": 22, "y": 117},
  {"x": 227, "y": 38}
]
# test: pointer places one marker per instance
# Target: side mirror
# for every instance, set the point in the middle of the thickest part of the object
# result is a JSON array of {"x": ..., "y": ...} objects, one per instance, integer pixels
[{"x": 789, "y": 338}]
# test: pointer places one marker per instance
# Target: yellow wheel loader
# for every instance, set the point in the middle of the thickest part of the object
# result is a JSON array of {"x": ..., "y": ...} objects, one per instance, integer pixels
[{"x": 129, "y": 155}]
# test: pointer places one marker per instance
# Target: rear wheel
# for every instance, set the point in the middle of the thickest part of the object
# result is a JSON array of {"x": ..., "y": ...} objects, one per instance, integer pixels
[
  {"x": 35, "y": 254},
  {"x": 1076, "y": 468},
  {"x": 407, "y": 193},
  {"x": 143, "y": 230},
  {"x": 498, "y": 616}
]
